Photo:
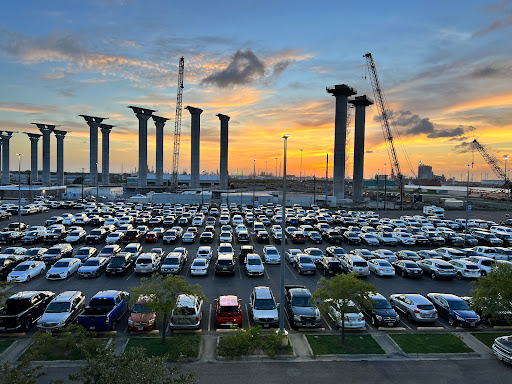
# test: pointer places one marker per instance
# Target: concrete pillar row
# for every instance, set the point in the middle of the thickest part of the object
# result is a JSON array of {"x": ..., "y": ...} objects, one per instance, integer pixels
[
  {"x": 224, "y": 148},
  {"x": 195, "y": 140},
  {"x": 6, "y": 137},
  {"x": 60, "y": 155},
  {"x": 34, "y": 140},
  {"x": 46, "y": 130},
  {"x": 1, "y": 145},
  {"x": 105, "y": 153},
  {"x": 341, "y": 93},
  {"x": 360, "y": 103},
  {"x": 93, "y": 123},
  {"x": 159, "y": 124},
  {"x": 143, "y": 115}
]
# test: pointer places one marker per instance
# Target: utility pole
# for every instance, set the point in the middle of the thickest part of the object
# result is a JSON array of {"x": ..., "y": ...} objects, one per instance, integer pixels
[
  {"x": 82, "y": 184},
  {"x": 385, "y": 187},
  {"x": 377, "y": 190},
  {"x": 327, "y": 181}
]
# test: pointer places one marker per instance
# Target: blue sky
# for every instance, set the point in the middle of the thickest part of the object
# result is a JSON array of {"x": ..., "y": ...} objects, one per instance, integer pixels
[{"x": 445, "y": 67}]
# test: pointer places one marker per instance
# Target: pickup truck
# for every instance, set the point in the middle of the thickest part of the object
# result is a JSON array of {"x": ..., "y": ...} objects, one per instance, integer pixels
[
  {"x": 300, "y": 310},
  {"x": 23, "y": 309},
  {"x": 104, "y": 310}
]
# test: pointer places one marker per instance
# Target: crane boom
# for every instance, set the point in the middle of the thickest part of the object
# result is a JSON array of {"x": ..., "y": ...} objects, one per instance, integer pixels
[
  {"x": 491, "y": 160},
  {"x": 177, "y": 126}
]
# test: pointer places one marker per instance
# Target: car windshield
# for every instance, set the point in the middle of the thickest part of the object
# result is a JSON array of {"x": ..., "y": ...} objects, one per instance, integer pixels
[
  {"x": 264, "y": 304},
  {"x": 458, "y": 305},
  {"x": 487, "y": 263},
  {"x": 75, "y": 233},
  {"x": 144, "y": 260},
  {"x": 225, "y": 249},
  {"x": 22, "y": 267},
  {"x": 91, "y": 263},
  {"x": 58, "y": 307},
  {"x": 9, "y": 251},
  {"x": 425, "y": 307},
  {"x": 61, "y": 264},
  {"x": 360, "y": 264},
  {"x": 15, "y": 306},
  {"x": 315, "y": 252},
  {"x": 271, "y": 251},
  {"x": 139, "y": 308},
  {"x": 95, "y": 232},
  {"x": 171, "y": 261},
  {"x": 410, "y": 265},
  {"x": 302, "y": 302},
  {"x": 381, "y": 304},
  {"x": 199, "y": 263},
  {"x": 442, "y": 266},
  {"x": 305, "y": 260},
  {"x": 254, "y": 261}
]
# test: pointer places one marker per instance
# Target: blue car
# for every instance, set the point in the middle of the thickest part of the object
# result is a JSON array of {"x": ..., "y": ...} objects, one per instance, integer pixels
[
  {"x": 455, "y": 309},
  {"x": 305, "y": 265}
]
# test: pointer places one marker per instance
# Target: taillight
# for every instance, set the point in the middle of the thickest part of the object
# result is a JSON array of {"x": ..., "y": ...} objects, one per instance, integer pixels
[
  {"x": 417, "y": 311},
  {"x": 197, "y": 319},
  {"x": 172, "y": 319}
]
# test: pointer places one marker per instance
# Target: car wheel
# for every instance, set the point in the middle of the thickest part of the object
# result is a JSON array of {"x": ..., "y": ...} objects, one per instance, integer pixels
[
  {"x": 433, "y": 275},
  {"x": 409, "y": 318},
  {"x": 459, "y": 275},
  {"x": 375, "y": 322},
  {"x": 403, "y": 273},
  {"x": 27, "y": 324},
  {"x": 114, "y": 324},
  {"x": 42, "y": 271},
  {"x": 451, "y": 321},
  {"x": 28, "y": 278},
  {"x": 483, "y": 273}
]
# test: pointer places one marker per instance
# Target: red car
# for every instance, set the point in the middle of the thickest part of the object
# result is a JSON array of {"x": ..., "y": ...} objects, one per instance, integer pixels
[
  {"x": 228, "y": 311},
  {"x": 151, "y": 237}
]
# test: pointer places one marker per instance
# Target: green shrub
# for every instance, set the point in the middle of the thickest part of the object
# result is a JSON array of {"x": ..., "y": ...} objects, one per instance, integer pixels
[{"x": 246, "y": 342}]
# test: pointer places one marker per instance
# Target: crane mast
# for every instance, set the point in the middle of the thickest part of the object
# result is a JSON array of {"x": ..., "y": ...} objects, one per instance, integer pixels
[
  {"x": 491, "y": 160},
  {"x": 177, "y": 126},
  {"x": 386, "y": 129}
]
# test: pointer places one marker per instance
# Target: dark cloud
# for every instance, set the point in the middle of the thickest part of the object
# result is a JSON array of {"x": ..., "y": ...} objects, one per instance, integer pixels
[
  {"x": 280, "y": 67},
  {"x": 454, "y": 132},
  {"x": 497, "y": 69},
  {"x": 243, "y": 69},
  {"x": 502, "y": 23},
  {"x": 464, "y": 147}
]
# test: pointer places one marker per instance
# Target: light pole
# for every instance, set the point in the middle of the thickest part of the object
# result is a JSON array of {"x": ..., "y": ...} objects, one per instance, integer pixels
[
  {"x": 467, "y": 202},
  {"x": 97, "y": 185},
  {"x": 19, "y": 191},
  {"x": 385, "y": 187},
  {"x": 377, "y": 190},
  {"x": 253, "y": 187},
  {"x": 506, "y": 179},
  {"x": 300, "y": 175},
  {"x": 82, "y": 185},
  {"x": 283, "y": 239}
]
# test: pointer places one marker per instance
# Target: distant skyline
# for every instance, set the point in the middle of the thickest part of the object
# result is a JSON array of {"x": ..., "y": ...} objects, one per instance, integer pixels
[{"x": 445, "y": 68}]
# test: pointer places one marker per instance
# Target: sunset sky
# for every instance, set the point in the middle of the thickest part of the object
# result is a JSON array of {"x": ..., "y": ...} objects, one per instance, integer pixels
[{"x": 445, "y": 67}]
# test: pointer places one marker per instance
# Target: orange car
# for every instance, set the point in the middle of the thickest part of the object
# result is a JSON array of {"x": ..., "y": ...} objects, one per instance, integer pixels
[
  {"x": 141, "y": 318},
  {"x": 228, "y": 311}
]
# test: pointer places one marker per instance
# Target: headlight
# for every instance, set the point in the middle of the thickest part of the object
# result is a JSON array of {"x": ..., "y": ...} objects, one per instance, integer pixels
[
  {"x": 255, "y": 318},
  {"x": 478, "y": 318},
  {"x": 460, "y": 318},
  {"x": 130, "y": 322},
  {"x": 296, "y": 317},
  {"x": 378, "y": 317},
  {"x": 151, "y": 321},
  {"x": 397, "y": 318},
  {"x": 61, "y": 323}
]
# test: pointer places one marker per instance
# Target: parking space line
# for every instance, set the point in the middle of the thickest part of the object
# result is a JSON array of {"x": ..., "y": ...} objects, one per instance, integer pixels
[
  {"x": 291, "y": 271},
  {"x": 247, "y": 314},
  {"x": 406, "y": 325},
  {"x": 326, "y": 322},
  {"x": 209, "y": 318},
  {"x": 266, "y": 273},
  {"x": 129, "y": 276}
]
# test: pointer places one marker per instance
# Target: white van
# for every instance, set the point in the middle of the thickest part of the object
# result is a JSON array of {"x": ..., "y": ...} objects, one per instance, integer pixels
[{"x": 147, "y": 263}]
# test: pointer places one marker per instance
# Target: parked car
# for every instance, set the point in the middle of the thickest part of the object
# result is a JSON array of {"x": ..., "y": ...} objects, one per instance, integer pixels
[
  {"x": 93, "y": 267},
  {"x": 120, "y": 263},
  {"x": 353, "y": 317},
  {"x": 23, "y": 309},
  {"x": 416, "y": 308},
  {"x": 62, "y": 310},
  {"x": 199, "y": 267},
  {"x": 381, "y": 267},
  {"x": 172, "y": 264},
  {"x": 254, "y": 265},
  {"x": 330, "y": 266},
  {"x": 63, "y": 268},
  {"x": 147, "y": 263},
  {"x": 26, "y": 271},
  {"x": 104, "y": 311},
  {"x": 188, "y": 313},
  {"x": 110, "y": 251},
  {"x": 304, "y": 264},
  {"x": 408, "y": 268},
  {"x": 381, "y": 313},
  {"x": 455, "y": 309},
  {"x": 263, "y": 307},
  {"x": 225, "y": 264},
  {"x": 271, "y": 255},
  {"x": 300, "y": 309},
  {"x": 228, "y": 311},
  {"x": 502, "y": 348},
  {"x": 141, "y": 318},
  {"x": 7, "y": 264},
  {"x": 437, "y": 269},
  {"x": 85, "y": 253},
  {"x": 465, "y": 269}
]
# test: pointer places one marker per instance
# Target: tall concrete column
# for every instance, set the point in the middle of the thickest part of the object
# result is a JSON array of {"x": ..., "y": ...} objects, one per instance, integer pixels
[
  {"x": 159, "y": 124},
  {"x": 6, "y": 136},
  {"x": 1, "y": 145},
  {"x": 224, "y": 142},
  {"x": 46, "y": 130},
  {"x": 360, "y": 102},
  {"x": 341, "y": 92},
  {"x": 195, "y": 139},
  {"x": 93, "y": 123},
  {"x": 60, "y": 156},
  {"x": 34, "y": 140},
  {"x": 105, "y": 153},
  {"x": 143, "y": 115}
]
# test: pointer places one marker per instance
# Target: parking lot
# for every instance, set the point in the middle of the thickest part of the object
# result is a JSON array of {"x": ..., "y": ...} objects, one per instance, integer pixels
[{"x": 213, "y": 285}]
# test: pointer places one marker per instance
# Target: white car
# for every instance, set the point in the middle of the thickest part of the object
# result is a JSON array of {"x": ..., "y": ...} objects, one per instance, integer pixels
[
  {"x": 225, "y": 249},
  {"x": 69, "y": 220},
  {"x": 76, "y": 237},
  {"x": 17, "y": 252},
  {"x": 225, "y": 237},
  {"x": 26, "y": 271},
  {"x": 63, "y": 268},
  {"x": 114, "y": 238},
  {"x": 199, "y": 267},
  {"x": 405, "y": 238},
  {"x": 254, "y": 265},
  {"x": 485, "y": 264},
  {"x": 353, "y": 318},
  {"x": 465, "y": 269},
  {"x": 381, "y": 267},
  {"x": 204, "y": 252},
  {"x": 271, "y": 255},
  {"x": 385, "y": 254},
  {"x": 291, "y": 253},
  {"x": 387, "y": 238}
]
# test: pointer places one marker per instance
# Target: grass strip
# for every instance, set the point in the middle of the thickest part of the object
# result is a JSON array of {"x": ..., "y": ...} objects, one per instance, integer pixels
[
  {"x": 488, "y": 337},
  {"x": 430, "y": 343},
  {"x": 5, "y": 343},
  {"x": 175, "y": 346},
  {"x": 354, "y": 345}
]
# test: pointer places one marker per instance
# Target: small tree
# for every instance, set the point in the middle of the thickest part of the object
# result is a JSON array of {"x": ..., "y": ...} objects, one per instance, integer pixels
[
  {"x": 493, "y": 294},
  {"x": 130, "y": 366},
  {"x": 161, "y": 294},
  {"x": 342, "y": 289}
]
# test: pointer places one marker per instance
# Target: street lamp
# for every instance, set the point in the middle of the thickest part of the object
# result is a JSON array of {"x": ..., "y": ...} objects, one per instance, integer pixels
[
  {"x": 377, "y": 190},
  {"x": 300, "y": 176},
  {"x": 467, "y": 201},
  {"x": 97, "y": 185},
  {"x": 506, "y": 179},
  {"x": 385, "y": 187},
  {"x": 253, "y": 188},
  {"x": 19, "y": 190},
  {"x": 283, "y": 239}
]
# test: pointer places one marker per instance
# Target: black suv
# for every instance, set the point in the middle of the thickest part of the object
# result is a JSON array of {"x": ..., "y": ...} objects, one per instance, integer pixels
[
  {"x": 7, "y": 263},
  {"x": 330, "y": 265},
  {"x": 96, "y": 236},
  {"x": 381, "y": 313},
  {"x": 22, "y": 309},
  {"x": 120, "y": 263},
  {"x": 244, "y": 251}
]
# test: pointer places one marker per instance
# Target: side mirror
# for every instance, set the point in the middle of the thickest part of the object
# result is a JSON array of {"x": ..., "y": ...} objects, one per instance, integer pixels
[{"x": 278, "y": 304}]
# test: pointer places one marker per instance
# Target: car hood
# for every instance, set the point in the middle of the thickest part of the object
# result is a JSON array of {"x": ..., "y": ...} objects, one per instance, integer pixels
[
  {"x": 255, "y": 267},
  {"x": 18, "y": 273},
  {"x": 385, "y": 312},
  {"x": 54, "y": 317},
  {"x": 466, "y": 314},
  {"x": 506, "y": 341},
  {"x": 57, "y": 271},
  {"x": 308, "y": 265},
  {"x": 265, "y": 313},
  {"x": 142, "y": 317},
  {"x": 306, "y": 311},
  {"x": 88, "y": 268}
]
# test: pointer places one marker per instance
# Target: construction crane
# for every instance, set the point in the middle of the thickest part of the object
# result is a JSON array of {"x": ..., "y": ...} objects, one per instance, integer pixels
[
  {"x": 177, "y": 126},
  {"x": 386, "y": 126},
  {"x": 491, "y": 160}
]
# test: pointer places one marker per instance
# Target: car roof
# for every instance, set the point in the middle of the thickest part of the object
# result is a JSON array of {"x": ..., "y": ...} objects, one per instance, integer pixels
[
  {"x": 263, "y": 292},
  {"x": 67, "y": 295},
  {"x": 107, "y": 294},
  {"x": 186, "y": 301},
  {"x": 29, "y": 294},
  {"x": 228, "y": 301},
  {"x": 417, "y": 298}
]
